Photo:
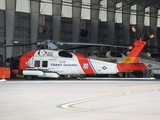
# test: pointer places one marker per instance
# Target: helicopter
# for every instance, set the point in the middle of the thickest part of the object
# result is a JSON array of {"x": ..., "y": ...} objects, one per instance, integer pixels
[{"x": 57, "y": 63}]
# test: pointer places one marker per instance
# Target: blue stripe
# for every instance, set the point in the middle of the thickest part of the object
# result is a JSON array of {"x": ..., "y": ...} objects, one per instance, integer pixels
[{"x": 92, "y": 66}]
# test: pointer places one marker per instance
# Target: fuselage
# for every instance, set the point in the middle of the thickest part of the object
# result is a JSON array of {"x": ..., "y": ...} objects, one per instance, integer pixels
[{"x": 66, "y": 63}]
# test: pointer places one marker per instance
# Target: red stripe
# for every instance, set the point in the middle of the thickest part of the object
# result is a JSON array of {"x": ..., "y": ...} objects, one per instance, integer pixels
[
  {"x": 85, "y": 64},
  {"x": 25, "y": 58}
]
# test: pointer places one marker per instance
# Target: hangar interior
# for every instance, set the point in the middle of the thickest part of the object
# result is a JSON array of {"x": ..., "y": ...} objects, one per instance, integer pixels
[{"x": 96, "y": 21}]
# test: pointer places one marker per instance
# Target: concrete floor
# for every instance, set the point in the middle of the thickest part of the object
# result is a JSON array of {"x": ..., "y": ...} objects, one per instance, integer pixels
[{"x": 80, "y": 100}]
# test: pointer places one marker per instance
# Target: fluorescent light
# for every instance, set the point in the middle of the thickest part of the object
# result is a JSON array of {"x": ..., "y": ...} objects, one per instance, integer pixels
[{"x": 15, "y": 42}]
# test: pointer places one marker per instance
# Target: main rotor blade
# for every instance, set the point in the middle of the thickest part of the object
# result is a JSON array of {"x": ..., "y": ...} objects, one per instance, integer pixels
[
  {"x": 14, "y": 45},
  {"x": 90, "y": 44},
  {"x": 79, "y": 47}
]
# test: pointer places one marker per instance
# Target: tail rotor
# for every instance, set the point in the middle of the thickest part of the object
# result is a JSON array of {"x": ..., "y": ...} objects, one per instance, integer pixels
[{"x": 149, "y": 37}]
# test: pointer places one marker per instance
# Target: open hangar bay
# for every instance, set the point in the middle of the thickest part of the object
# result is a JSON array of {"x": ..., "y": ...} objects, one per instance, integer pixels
[
  {"x": 77, "y": 100},
  {"x": 93, "y": 21},
  {"x": 97, "y": 21}
]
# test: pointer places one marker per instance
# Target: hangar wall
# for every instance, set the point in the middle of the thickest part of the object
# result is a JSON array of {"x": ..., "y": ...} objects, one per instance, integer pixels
[
  {"x": 121, "y": 34},
  {"x": 26, "y": 27}
]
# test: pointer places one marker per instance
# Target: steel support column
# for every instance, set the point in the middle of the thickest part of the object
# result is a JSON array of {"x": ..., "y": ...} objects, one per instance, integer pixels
[
  {"x": 153, "y": 24},
  {"x": 125, "y": 22},
  {"x": 2, "y": 33},
  {"x": 76, "y": 16},
  {"x": 10, "y": 25},
  {"x": 34, "y": 18},
  {"x": 56, "y": 19},
  {"x": 94, "y": 20},
  {"x": 140, "y": 17},
  {"x": 111, "y": 6}
]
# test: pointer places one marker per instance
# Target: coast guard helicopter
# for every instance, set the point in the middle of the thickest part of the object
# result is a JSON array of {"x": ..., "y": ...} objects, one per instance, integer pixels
[{"x": 55, "y": 63}]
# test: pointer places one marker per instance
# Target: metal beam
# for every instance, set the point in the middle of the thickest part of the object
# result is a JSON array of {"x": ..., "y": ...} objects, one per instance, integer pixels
[
  {"x": 56, "y": 19},
  {"x": 10, "y": 25},
  {"x": 10, "y": 4},
  {"x": 140, "y": 17},
  {"x": 153, "y": 24},
  {"x": 125, "y": 21},
  {"x": 57, "y": 7},
  {"x": 111, "y": 7},
  {"x": 35, "y": 6},
  {"x": 76, "y": 8},
  {"x": 34, "y": 24},
  {"x": 76, "y": 16},
  {"x": 95, "y": 5}
]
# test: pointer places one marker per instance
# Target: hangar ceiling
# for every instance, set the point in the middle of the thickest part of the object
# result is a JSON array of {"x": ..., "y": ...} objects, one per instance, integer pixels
[
  {"x": 96, "y": 4},
  {"x": 88, "y": 9}
]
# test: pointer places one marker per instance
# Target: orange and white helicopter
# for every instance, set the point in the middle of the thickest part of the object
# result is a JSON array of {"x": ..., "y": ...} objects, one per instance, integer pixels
[{"x": 54, "y": 63}]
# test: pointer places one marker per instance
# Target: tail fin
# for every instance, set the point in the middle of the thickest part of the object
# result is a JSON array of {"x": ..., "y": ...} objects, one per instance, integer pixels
[
  {"x": 130, "y": 63},
  {"x": 133, "y": 56}
]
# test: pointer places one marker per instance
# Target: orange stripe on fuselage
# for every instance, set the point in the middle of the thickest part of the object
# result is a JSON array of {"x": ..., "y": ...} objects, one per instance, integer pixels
[{"x": 85, "y": 64}]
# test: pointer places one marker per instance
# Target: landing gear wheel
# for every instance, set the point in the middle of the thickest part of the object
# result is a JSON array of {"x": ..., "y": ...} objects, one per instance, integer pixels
[{"x": 29, "y": 77}]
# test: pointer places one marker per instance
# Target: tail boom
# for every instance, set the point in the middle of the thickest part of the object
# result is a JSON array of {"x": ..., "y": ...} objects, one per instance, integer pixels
[{"x": 130, "y": 67}]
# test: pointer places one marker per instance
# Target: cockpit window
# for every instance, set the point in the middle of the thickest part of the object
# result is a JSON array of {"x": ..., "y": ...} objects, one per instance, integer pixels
[
  {"x": 65, "y": 54},
  {"x": 36, "y": 63}
]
